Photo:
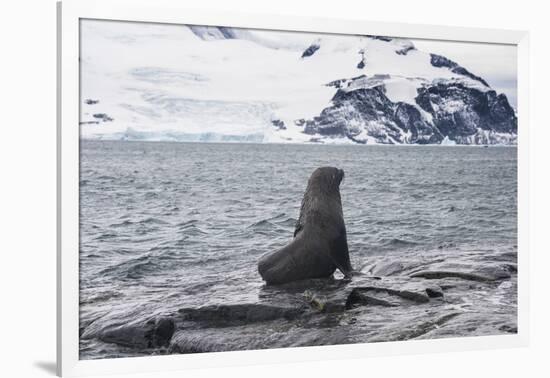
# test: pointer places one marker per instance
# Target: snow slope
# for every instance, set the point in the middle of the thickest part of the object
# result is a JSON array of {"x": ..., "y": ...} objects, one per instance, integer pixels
[{"x": 194, "y": 83}]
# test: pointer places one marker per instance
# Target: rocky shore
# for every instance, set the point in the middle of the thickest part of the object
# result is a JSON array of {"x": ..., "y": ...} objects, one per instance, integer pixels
[{"x": 390, "y": 300}]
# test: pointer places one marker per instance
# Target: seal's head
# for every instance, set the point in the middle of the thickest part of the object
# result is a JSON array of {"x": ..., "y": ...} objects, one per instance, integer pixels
[{"x": 327, "y": 178}]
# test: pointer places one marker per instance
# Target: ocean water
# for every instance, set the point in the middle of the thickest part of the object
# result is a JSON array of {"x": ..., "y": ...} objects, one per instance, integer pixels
[{"x": 165, "y": 226}]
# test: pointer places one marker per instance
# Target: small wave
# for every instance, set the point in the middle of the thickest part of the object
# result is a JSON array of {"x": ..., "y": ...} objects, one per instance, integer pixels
[
  {"x": 396, "y": 242},
  {"x": 171, "y": 211},
  {"x": 101, "y": 297},
  {"x": 146, "y": 221},
  {"x": 277, "y": 217},
  {"x": 142, "y": 269},
  {"x": 262, "y": 225},
  {"x": 289, "y": 222},
  {"x": 123, "y": 224},
  {"x": 152, "y": 220},
  {"x": 105, "y": 236},
  {"x": 105, "y": 178},
  {"x": 191, "y": 229},
  {"x": 480, "y": 208},
  {"x": 187, "y": 223},
  {"x": 150, "y": 195}
]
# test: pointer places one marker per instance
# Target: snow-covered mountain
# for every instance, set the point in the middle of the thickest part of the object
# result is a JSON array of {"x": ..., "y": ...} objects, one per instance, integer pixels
[{"x": 195, "y": 83}]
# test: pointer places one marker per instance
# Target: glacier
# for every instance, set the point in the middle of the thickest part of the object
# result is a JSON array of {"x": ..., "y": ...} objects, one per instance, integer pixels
[{"x": 159, "y": 82}]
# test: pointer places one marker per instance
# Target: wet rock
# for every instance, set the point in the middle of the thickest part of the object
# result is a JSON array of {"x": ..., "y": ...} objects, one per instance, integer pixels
[
  {"x": 497, "y": 272},
  {"x": 322, "y": 329},
  {"x": 328, "y": 303},
  {"x": 398, "y": 287},
  {"x": 314, "y": 284},
  {"x": 388, "y": 269},
  {"x": 227, "y": 315},
  {"x": 512, "y": 267},
  {"x": 415, "y": 295},
  {"x": 434, "y": 292},
  {"x": 357, "y": 297},
  {"x": 508, "y": 328},
  {"x": 472, "y": 324},
  {"x": 438, "y": 274},
  {"x": 154, "y": 333},
  {"x": 426, "y": 327}
]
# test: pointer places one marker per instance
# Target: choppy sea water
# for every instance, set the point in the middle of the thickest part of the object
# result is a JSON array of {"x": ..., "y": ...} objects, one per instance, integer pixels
[{"x": 165, "y": 226}]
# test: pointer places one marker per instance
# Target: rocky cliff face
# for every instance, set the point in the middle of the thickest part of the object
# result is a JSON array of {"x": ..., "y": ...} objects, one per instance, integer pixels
[
  {"x": 462, "y": 109},
  {"x": 443, "y": 110}
]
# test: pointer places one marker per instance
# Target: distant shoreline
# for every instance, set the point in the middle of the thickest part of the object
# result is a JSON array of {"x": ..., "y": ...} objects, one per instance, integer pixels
[{"x": 300, "y": 144}]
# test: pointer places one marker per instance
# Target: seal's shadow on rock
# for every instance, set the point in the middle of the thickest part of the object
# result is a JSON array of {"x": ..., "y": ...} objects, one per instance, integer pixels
[{"x": 320, "y": 243}]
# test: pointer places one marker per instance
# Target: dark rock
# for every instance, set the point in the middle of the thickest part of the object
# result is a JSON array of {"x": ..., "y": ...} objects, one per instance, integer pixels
[
  {"x": 434, "y": 292},
  {"x": 213, "y": 32},
  {"x": 496, "y": 272},
  {"x": 329, "y": 303},
  {"x": 280, "y": 125},
  {"x": 478, "y": 110},
  {"x": 363, "y": 104},
  {"x": 228, "y": 315},
  {"x": 360, "y": 110},
  {"x": 408, "y": 118},
  {"x": 353, "y": 111},
  {"x": 405, "y": 50},
  {"x": 153, "y": 333},
  {"x": 102, "y": 116},
  {"x": 228, "y": 33},
  {"x": 446, "y": 274},
  {"x": 359, "y": 297},
  {"x": 380, "y": 37},
  {"x": 441, "y": 61},
  {"x": 426, "y": 327},
  {"x": 336, "y": 83},
  {"x": 512, "y": 267},
  {"x": 162, "y": 332},
  {"x": 89, "y": 101},
  {"x": 508, "y": 328},
  {"x": 388, "y": 269},
  {"x": 310, "y": 50},
  {"x": 413, "y": 295}
]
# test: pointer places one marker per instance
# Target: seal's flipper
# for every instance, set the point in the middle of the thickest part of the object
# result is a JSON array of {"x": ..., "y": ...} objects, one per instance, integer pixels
[{"x": 340, "y": 255}]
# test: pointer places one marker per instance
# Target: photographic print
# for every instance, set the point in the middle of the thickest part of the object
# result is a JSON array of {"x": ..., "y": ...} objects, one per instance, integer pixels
[{"x": 254, "y": 189}]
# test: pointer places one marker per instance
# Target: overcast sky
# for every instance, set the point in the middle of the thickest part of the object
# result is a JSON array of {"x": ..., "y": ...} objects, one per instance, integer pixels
[{"x": 495, "y": 63}]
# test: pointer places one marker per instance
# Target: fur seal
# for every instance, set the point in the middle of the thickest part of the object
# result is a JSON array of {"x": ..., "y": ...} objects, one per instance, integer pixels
[{"x": 320, "y": 244}]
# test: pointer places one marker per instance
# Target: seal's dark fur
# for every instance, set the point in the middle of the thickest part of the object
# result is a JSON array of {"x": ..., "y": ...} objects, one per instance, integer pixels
[{"x": 320, "y": 244}]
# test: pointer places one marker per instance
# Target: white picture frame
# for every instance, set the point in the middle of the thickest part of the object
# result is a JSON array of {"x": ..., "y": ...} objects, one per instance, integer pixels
[{"x": 164, "y": 11}]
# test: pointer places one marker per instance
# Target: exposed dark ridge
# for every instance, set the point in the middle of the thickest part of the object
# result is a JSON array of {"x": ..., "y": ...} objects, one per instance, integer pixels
[
  {"x": 310, "y": 50},
  {"x": 441, "y": 61},
  {"x": 228, "y": 33},
  {"x": 380, "y": 38}
]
